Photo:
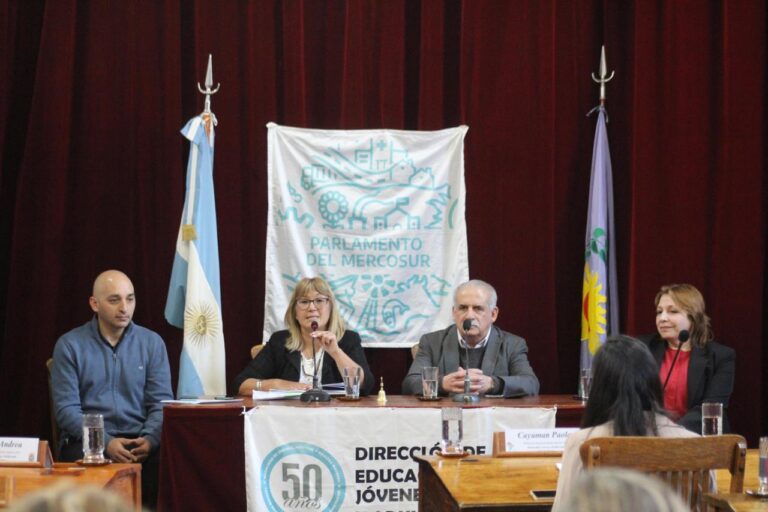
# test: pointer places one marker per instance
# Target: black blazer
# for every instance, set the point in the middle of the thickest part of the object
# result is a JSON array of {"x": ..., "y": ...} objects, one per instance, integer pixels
[
  {"x": 274, "y": 361},
  {"x": 710, "y": 378}
]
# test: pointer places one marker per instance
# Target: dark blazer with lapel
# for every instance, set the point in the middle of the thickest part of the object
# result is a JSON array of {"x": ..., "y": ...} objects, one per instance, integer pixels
[
  {"x": 710, "y": 377},
  {"x": 276, "y": 362},
  {"x": 506, "y": 357}
]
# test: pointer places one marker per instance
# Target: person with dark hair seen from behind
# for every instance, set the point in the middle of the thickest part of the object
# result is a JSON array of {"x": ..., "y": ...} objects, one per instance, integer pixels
[
  {"x": 286, "y": 361},
  {"x": 624, "y": 400},
  {"x": 119, "y": 369},
  {"x": 701, "y": 370}
]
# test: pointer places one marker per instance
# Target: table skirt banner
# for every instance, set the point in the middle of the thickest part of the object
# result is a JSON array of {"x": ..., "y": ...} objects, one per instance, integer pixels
[{"x": 357, "y": 459}]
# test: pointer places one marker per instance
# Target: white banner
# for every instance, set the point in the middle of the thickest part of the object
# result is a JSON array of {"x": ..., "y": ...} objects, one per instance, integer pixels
[
  {"x": 379, "y": 214},
  {"x": 356, "y": 459}
]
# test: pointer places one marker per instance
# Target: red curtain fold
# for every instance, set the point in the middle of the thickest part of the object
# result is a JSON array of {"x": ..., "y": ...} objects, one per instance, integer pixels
[{"x": 92, "y": 97}]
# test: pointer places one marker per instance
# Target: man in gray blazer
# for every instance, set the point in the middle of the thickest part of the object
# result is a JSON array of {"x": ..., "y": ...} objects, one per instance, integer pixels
[{"x": 498, "y": 361}]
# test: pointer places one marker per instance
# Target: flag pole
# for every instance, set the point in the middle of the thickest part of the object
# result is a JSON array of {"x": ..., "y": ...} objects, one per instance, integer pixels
[
  {"x": 599, "y": 306},
  {"x": 194, "y": 292}
]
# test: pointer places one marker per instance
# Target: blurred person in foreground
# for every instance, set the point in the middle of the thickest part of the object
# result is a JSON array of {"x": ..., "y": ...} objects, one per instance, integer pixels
[
  {"x": 702, "y": 370},
  {"x": 624, "y": 400},
  {"x": 116, "y": 368},
  {"x": 616, "y": 489},
  {"x": 498, "y": 360},
  {"x": 286, "y": 361},
  {"x": 70, "y": 497}
]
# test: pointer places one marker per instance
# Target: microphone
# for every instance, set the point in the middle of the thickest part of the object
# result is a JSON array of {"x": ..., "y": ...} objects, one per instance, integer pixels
[
  {"x": 315, "y": 394},
  {"x": 467, "y": 396},
  {"x": 682, "y": 338}
]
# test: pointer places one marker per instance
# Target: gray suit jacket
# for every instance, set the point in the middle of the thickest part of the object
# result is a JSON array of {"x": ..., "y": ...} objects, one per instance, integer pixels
[{"x": 505, "y": 357}]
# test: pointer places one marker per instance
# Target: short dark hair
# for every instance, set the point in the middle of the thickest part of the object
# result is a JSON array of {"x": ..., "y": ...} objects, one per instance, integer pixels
[{"x": 626, "y": 388}]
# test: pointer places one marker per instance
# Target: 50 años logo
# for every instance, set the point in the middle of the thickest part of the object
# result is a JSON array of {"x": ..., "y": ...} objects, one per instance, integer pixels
[{"x": 301, "y": 476}]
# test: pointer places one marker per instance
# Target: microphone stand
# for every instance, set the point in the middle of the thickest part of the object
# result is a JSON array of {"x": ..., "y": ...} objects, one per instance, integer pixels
[
  {"x": 682, "y": 338},
  {"x": 467, "y": 397},
  {"x": 316, "y": 394}
]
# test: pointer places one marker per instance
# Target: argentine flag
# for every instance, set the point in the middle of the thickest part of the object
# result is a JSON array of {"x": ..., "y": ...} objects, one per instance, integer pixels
[{"x": 194, "y": 295}]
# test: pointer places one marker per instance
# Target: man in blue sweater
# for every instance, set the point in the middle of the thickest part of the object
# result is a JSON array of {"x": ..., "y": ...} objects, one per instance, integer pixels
[{"x": 116, "y": 368}]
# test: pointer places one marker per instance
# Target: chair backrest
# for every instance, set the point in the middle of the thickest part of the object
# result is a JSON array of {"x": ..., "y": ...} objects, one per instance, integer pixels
[
  {"x": 255, "y": 350},
  {"x": 54, "y": 424},
  {"x": 414, "y": 350},
  {"x": 684, "y": 463}
]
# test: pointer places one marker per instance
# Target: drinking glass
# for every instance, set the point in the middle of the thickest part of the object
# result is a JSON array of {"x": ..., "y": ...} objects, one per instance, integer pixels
[
  {"x": 585, "y": 382},
  {"x": 352, "y": 382},
  {"x": 453, "y": 431},
  {"x": 711, "y": 419},
  {"x": 429, "y": 382},
  {"x": 93, "y": 438},
  {"x": 762, "y": 472}
]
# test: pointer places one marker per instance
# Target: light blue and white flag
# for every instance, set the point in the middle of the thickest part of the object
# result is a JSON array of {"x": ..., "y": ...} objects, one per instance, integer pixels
[
  {"x": 600, "y": 292},
  {"x": 194, "y": 295},
  {"x": 380, "y": 215}
]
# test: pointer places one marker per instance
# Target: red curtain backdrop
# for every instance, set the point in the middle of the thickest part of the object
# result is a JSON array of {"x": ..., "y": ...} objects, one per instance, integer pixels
[{"x": 93, "y": 94}]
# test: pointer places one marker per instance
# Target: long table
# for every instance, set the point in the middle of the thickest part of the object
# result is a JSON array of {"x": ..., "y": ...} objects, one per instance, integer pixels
[
  {"x": 202, "y": 462},
  {"x": 494, "y": 484},
  {"x": 484, "y": 483}
]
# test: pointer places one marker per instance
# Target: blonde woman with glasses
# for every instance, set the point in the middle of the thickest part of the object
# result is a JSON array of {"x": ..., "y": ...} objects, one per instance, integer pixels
[{"x": 286, "y": 362}]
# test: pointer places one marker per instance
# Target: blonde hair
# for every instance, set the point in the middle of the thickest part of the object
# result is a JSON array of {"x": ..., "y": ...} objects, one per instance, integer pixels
[
  {"x": 610, "y": 489},
  {"x": 335, "y": 321},
  {"x": 68, "y": 497},
  {"x": 690, "y": 300}
]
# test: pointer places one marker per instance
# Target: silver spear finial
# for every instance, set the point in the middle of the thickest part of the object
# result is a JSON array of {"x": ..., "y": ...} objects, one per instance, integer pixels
[
  {"x": 603, "y": 75},
  {"x": 208, "y": 84}
]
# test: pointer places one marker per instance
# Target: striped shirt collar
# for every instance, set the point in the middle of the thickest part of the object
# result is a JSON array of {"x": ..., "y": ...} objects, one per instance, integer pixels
[{"x": 482, "y": 343}]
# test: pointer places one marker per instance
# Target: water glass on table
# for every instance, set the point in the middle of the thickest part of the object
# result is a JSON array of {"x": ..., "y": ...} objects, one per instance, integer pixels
[
  {"x": 352, "y": 382},
  {"x": 453, "y": 432},
  {"x": 429, "y": 382},
  {"x": 762, "y": 471},
  {"x": 711, "y": 419},
  {"x": 585, "y": 383},
  {"x": 93, "y": 439}
]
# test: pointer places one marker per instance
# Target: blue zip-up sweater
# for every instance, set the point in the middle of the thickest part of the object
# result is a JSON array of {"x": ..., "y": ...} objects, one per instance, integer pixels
[{"x": 125, "y": 383}]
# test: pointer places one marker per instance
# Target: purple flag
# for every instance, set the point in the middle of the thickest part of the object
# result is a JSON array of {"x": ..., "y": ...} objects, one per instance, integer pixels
[{"x": 599, "y": 300}]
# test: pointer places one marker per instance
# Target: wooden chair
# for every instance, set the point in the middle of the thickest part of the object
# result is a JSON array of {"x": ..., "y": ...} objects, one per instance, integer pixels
[
  {"x": 54, "y": 424},
  {"x": 255, "y": 350},
  {"x": 684, "y": 463},
  {"x": 414, "y": 350}
]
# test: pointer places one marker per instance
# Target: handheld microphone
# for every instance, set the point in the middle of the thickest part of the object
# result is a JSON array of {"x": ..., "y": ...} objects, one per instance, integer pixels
[
  {"x": 467, "y": 396},
  {"x": 315, "y": 394},
  {"x": 682, "y": 338}
]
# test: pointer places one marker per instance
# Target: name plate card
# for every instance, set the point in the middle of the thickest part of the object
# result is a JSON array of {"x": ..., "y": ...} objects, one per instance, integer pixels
[
  {"x": 537, "y": 439},
  {"x": 19, "y": 449}
]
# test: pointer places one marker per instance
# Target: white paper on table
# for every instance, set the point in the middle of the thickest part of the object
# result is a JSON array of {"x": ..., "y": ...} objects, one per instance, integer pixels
[
  {"x": 276, "y": 394},
  {"x": 202, "y": 401}
]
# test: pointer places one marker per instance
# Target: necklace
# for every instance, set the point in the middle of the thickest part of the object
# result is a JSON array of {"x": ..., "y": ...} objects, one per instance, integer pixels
[{"x": 308, "y": 363}]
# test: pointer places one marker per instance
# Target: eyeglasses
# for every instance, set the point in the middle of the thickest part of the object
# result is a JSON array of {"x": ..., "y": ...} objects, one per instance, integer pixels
[{"x": 319, "y": 302}]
